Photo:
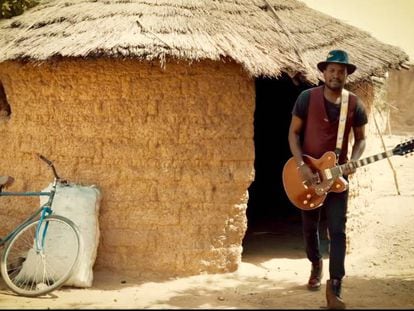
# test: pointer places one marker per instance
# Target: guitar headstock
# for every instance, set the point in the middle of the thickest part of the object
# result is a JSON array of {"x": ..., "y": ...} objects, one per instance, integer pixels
[{"x": 404, "y": 148}]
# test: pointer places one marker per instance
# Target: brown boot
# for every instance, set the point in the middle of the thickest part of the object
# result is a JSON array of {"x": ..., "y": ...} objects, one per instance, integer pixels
[
  {"x": 315, "y": 278},
  {"x": 333, "y": 294}
]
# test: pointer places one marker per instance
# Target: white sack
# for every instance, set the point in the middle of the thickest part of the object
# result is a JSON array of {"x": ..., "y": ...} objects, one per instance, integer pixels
[{"x": 81, "y": 205}]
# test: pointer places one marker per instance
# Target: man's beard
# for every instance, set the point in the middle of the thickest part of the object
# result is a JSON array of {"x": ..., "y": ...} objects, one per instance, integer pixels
[{"x": 337, "y": 86}]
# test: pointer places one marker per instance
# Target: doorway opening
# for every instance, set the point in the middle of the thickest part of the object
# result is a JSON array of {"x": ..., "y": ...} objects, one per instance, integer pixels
[
  {"x": 5, "y": 109},
  {"x": 269, "y": 210}
]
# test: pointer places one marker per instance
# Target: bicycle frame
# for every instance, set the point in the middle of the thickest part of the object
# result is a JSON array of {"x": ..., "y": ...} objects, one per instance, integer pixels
[
  {"x": 30, "y": 263},
  {"x": 44, "y": 211}
]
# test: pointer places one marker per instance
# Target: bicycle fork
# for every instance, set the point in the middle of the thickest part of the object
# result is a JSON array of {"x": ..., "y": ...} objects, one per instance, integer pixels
[
  {"x": 40, "y": 236},
  {"x": 42, "y": 230}
]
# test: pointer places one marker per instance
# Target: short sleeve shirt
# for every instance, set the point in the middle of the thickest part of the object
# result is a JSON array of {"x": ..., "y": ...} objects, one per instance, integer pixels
[{"x": 300, "y": 109}]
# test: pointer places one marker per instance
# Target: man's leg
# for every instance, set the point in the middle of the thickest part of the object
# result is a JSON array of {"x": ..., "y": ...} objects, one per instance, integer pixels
[
  {"x": 336, "y": 209},
  {"x": 310, "y": 227}
]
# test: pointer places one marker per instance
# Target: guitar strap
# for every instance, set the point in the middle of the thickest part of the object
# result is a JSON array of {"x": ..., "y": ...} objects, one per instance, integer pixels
[{"x": 342, "y": 121}]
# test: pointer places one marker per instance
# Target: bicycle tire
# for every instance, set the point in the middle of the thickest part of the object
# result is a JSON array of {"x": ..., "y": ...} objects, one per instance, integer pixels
[{"x": 30, "y": 273}]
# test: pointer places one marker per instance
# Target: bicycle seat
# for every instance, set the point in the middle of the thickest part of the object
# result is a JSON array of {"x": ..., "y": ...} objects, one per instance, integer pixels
[{"x": 6, "y": 181}]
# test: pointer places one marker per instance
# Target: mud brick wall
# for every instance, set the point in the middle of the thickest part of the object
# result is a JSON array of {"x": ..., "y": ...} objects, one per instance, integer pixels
[
  {"x": 170, "y": 148},
  {"x": 399, "y": 101}
]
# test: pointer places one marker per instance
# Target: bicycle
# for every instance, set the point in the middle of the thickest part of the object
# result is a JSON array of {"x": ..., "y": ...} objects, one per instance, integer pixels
[{"x": 41, "y": 252}]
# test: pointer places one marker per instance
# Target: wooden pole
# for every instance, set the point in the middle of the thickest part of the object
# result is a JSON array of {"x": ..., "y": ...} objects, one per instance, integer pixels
[{"x": 385, "y": 149}]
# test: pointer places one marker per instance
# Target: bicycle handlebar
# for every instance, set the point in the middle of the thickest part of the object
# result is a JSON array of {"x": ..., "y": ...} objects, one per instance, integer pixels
[{"x": 50, "y": 164}]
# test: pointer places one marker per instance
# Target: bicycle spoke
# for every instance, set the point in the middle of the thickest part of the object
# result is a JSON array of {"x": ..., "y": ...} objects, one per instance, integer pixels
[{"x": 31, "y": 273}]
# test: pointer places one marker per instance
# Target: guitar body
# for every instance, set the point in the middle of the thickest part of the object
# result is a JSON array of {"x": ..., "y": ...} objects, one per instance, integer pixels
[{"x": 308, "y": 198}]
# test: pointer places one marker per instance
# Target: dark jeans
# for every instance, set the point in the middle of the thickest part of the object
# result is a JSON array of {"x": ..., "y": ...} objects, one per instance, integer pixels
[{"x": 335, "y": 207}]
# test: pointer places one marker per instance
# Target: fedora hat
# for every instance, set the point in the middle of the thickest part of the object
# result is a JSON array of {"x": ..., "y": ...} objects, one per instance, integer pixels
[{"x": 337, "y": 57}]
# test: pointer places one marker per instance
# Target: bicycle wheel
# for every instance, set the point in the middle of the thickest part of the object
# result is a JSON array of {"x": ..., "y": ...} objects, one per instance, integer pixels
[{"x": 31, "y": 272}]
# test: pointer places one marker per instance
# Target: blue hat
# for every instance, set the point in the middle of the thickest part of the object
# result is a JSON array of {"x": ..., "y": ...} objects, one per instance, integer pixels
[{"x": 338, "y": 57}]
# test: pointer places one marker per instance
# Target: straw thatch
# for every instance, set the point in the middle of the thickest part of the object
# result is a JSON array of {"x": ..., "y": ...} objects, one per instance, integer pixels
[{"x": 286, "y": 36}]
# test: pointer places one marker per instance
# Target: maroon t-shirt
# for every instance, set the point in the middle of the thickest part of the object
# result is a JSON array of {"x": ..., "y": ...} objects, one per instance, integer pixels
[{"x": 322, "y": 119}]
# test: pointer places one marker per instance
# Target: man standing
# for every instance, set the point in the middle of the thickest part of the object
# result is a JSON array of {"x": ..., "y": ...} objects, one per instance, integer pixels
[{"x": 314, "y": 131}]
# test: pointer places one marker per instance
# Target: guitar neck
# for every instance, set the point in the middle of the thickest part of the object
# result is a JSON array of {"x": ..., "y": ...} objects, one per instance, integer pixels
[
  {"x": 337, "y": 171},
  {"x": 368, "y": 160},
  {"x": 401, "y": 149}
]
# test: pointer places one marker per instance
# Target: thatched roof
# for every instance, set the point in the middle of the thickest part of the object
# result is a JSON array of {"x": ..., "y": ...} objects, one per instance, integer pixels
[{"x": 286, "y": 36}]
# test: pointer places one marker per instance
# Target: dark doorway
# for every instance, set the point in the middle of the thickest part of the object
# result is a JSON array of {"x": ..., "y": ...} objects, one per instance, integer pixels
[
  {"x": 274, "y": 225},
  {"x": 268, "y": 204},
  {"x": 5, "y": 109}
]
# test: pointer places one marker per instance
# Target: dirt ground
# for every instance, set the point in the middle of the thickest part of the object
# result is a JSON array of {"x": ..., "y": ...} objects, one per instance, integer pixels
[{"x": 274, "y": 270}]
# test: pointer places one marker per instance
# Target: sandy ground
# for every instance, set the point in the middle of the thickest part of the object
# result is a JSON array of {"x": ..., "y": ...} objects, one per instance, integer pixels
[{"x": 274, "y": 271}]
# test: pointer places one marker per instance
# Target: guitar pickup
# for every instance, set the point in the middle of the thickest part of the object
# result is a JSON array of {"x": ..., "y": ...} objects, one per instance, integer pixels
[
  {"x": 328, "y": 174},
  {"x": 332, "y": 173}
]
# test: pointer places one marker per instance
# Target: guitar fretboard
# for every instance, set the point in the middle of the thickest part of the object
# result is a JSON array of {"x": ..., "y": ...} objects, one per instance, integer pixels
[
  {"x": 337, "y": 171},
  {"x": 369, "y": 160},
  {"x": 401, "y": 149}
]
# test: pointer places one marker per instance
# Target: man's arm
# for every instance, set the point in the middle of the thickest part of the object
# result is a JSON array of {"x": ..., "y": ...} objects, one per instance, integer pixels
[
  {"x": 296, "y": 125},
  {"x": 357, "y": 148},
  {"x": 295, "y": 129},
  {"x": 359, "y": 143}
]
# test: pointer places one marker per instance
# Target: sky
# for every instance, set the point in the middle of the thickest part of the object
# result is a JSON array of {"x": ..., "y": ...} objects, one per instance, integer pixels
[{"x": 390, "y": 21}]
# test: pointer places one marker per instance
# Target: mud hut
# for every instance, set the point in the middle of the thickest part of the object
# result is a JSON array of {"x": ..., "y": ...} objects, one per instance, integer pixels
[
  {"x": 169, "y": 107},
  {"x": 400, "y": 107}
]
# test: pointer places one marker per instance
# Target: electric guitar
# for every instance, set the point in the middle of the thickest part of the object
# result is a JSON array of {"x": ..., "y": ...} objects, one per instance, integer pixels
[{"x": 327, "y": 175}]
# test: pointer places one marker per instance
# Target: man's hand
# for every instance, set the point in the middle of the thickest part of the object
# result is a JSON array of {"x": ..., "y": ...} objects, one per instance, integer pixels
[
  {"x": 350, "y": 168},
  {"x": 307, "y": 175}
]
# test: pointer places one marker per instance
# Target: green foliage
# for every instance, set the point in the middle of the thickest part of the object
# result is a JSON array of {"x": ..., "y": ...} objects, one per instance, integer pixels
[{"x": 10, "y": 8}]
